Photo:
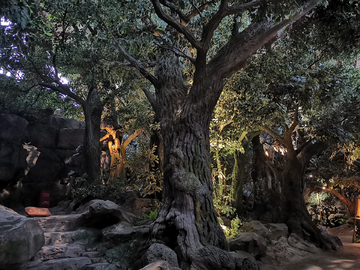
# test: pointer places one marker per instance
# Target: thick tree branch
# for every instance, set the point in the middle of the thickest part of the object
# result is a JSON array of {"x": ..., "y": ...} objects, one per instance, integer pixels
[
  {"x": 137, "y": 64},
  {"x": 177, "y": 25},
  {"x": 63, "y": 89},
  {"x": 274, "y": 134},
  {"x": 224, "y": 10},
  {"x": 234, "y": 55},
  {"x": 176, "y": 8},
  {"x": 310, "y": 150},
  {"x": 131, "y": 137}
]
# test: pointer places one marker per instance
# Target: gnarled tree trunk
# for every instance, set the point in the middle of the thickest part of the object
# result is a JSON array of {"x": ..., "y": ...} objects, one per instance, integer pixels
[{"x": 187, "y": 221}]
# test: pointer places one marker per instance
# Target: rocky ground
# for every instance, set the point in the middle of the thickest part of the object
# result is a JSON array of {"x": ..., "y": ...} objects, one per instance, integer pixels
[
  {"x": 101, "y": 235},
  {"x": 346, "y": 258}
]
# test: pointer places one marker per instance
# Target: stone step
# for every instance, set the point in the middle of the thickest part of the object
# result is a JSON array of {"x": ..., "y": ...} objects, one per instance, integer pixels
[
  {"x": 60, "y": 223},
  {"x": 59, "y": 238},
  {"x": 94, "y": 256},
  {"x": 60, "y": 264},
  {"x": 47, "y": 253}
]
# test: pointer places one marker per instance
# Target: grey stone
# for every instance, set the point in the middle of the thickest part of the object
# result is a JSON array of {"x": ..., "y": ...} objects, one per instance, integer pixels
[
  {"x": 101, "y": 214},
  {"x": 58, "y": 238},
  {"x": 256, "y": 227},
  {"x": 61, "y": 123},
  {"x": 60, "y": 251},
  {"x": 158, "y": 252},
  {"x": 281, "y": 252},
  {"x": 12, "y": 160},
  {"x": 70, "y": 138},
  {"x": 12, "y": 128},
  {"x": 277, "y": 230},
  {"x": 60, "y": 223},
  {"x": 60, "y": 264},
  {"x": 20, "y": 238},
  {"x": 244, "y": 260},
  {"x": 40, "y": 135},
  {"x": 100, "y": 266},
  {"x": 297, "y": 242},
  {"x": 158, "y": 265},
  {"x": 123, "y": 232},
  {"x": 47, "y": 167},
  {"x": 249, "y": 242}
]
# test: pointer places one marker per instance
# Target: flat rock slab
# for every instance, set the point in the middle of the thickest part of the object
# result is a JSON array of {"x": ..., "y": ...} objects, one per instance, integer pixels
[
  {"x": 59, "y": 238},
  {"x": 48, "y": 253},
  {"x": 60, "y": 264},
  {"x": 37, "y": 212},
  {"x": 60, "y": 223}
]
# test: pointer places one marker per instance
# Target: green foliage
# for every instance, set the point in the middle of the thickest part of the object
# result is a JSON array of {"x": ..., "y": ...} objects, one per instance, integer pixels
[
  {"x": 143, "y": 164},
  {"x": 233, "y": 231},
  {"x": 151, "y": 215},
  {"x": 98, "y": 189},
  {"x": 318, "y": 198}
]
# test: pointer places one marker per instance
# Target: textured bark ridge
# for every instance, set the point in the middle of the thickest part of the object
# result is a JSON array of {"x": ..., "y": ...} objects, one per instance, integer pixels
[{"x": 187, "y": 221}]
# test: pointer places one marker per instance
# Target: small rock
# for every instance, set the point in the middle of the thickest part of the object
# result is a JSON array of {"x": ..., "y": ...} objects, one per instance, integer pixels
[
  {"x": 158, "y": 265},
  {"x": 158, "y": 252},
  {"x": 249, "y": 242}
]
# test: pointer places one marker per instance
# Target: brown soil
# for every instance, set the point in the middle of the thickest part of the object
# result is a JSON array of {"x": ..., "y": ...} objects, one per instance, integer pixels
[{"x": 346, "y": 258}]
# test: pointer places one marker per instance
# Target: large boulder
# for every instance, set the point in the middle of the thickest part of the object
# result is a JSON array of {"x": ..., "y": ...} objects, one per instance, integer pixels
[
  {"x": 40, "y": 135},
  {"x": 12, "y": 154},
  {"x": 158, "y": 252},
  {"x": 12, "y": 160},
  {"x": 123, "y": 232},
  {"x": 277, "y": 230},
  {"x": 244, "y": 260},
  {"x": 48, "y": 166},
  {"x": 70, "y": 138},
  {"x": 256, "y": 227},
  {"x": 101, "y": 214},
  {"x": 12, "y": 128},
  {"x": 61, "y": 123},
  {"x": 249, "y": 242},
  {"x": 20, "y": 239}
]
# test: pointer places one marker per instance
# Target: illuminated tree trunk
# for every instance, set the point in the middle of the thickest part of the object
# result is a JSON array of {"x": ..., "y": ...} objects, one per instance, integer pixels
[{"x": 187, "y": 221}]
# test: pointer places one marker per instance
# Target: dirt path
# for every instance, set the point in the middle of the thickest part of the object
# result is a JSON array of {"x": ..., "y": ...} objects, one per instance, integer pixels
[{"x": 347, "y": 258}]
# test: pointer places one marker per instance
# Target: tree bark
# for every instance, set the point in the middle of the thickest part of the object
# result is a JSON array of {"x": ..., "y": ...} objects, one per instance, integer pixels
[
  {"x": 238, "y": 180},
  {"x": 293, "y": 207},
  {"x": 266, "y": 185},
  {"x": 187, "y": 221},
  {"x": 92, "y": 111}
]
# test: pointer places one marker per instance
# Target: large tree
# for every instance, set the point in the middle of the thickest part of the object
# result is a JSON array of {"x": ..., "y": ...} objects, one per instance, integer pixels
[{"x": 187, "y": 221}]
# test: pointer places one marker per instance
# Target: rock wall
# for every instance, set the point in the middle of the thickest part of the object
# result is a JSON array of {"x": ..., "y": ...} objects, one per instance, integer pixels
[{"x": 24, "y": 174}]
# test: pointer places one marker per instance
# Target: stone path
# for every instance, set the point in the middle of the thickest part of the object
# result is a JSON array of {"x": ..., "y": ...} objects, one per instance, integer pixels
[
  {"x": 347, "y": 258},
  {"x": 66, "y": 247}
]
